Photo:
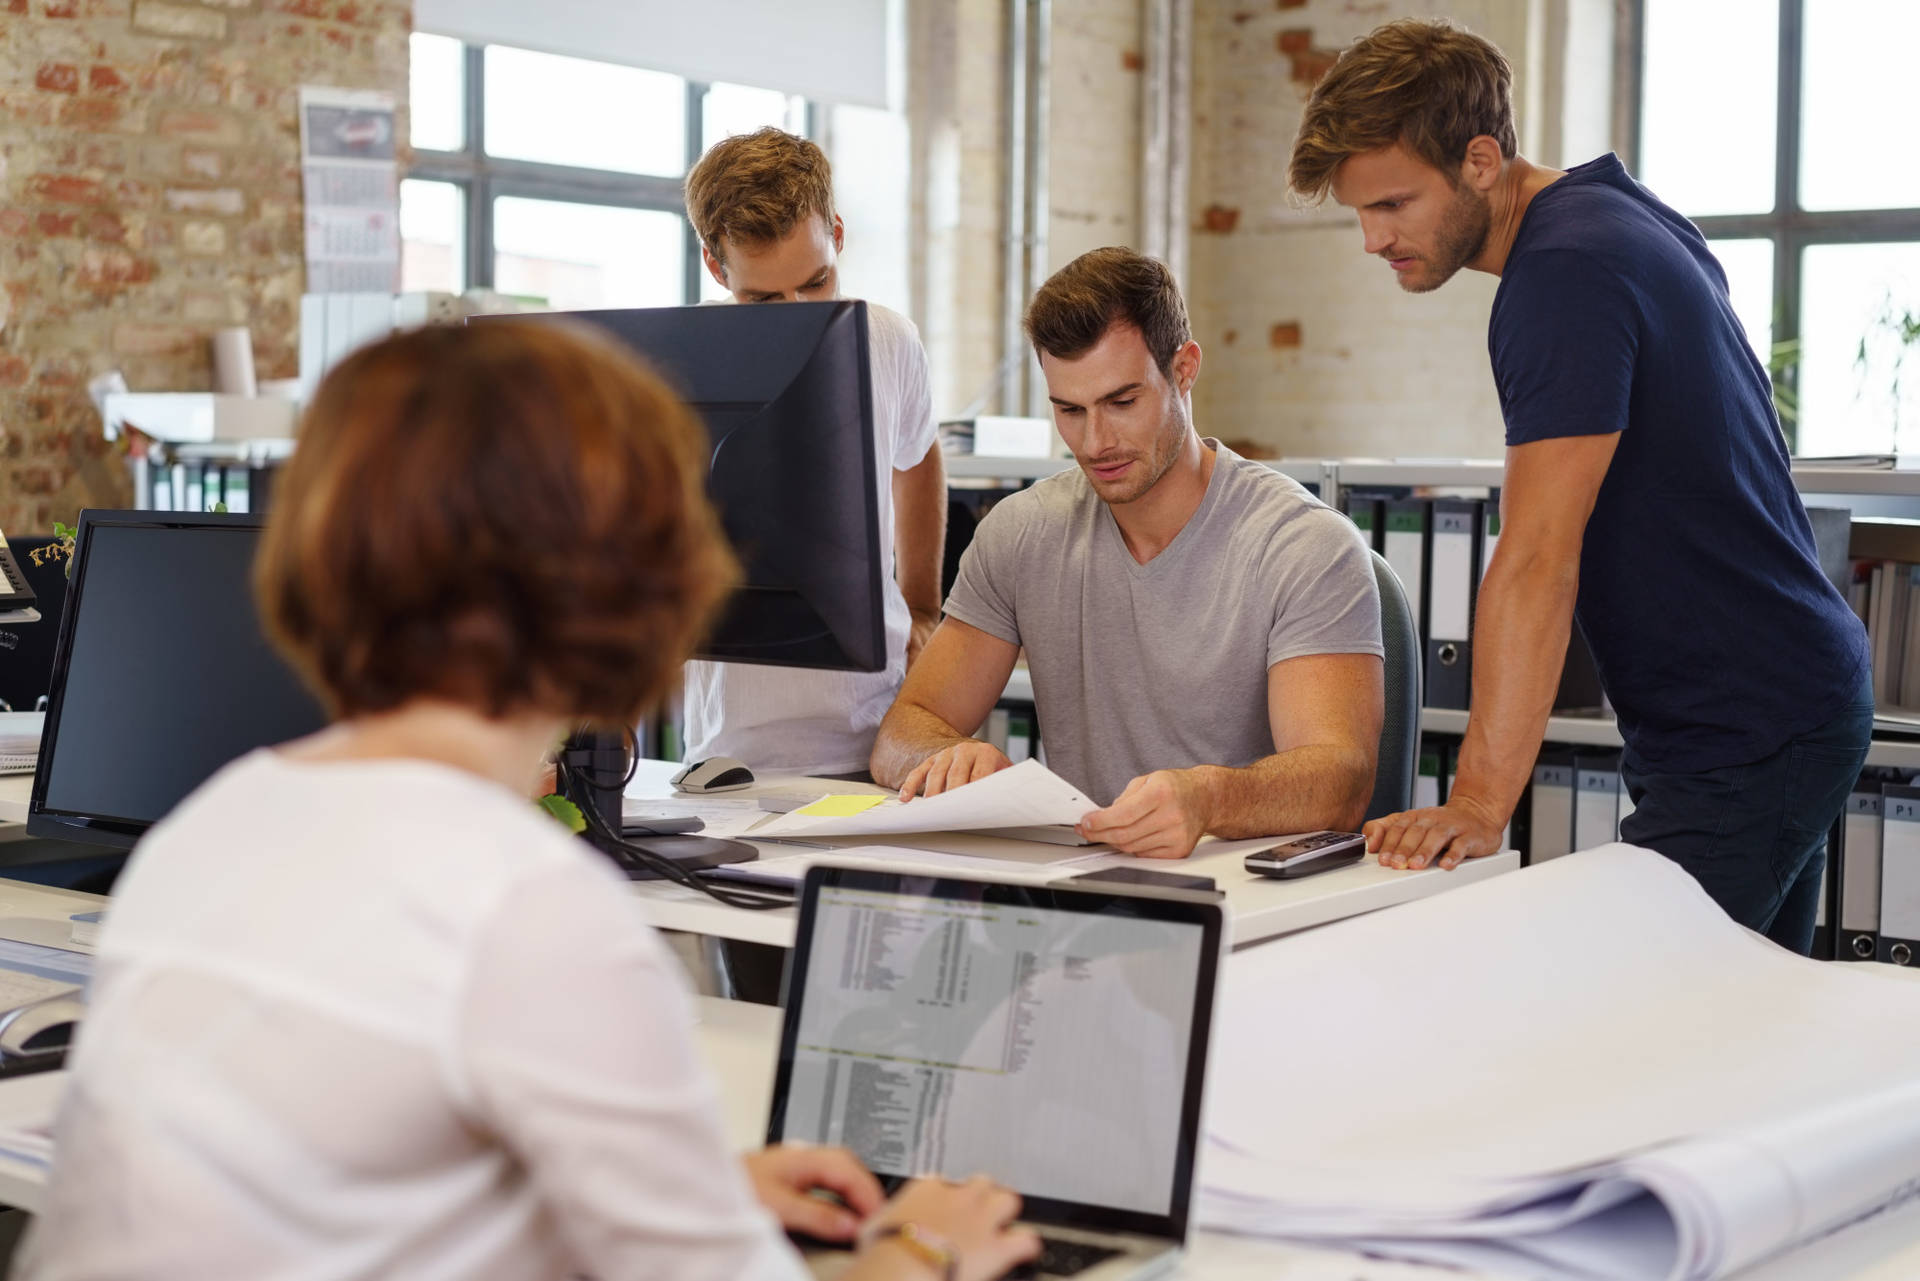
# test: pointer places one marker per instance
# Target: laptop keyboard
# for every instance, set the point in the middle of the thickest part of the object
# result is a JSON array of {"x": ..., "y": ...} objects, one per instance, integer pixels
[{"x": 1063, "y": 1259}]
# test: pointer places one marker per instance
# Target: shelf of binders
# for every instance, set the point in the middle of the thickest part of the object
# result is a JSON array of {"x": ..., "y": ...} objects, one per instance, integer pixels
[
  {"x": 1312, "y": 472},
  {"x": 1887, "y": 482},
  {"x": 1436, "y": 473},
  {"x": 1601, "y": 731}
]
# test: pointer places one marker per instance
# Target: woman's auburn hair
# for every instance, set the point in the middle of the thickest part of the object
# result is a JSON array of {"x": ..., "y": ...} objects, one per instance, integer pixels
[{"x": 509, "y": 515}]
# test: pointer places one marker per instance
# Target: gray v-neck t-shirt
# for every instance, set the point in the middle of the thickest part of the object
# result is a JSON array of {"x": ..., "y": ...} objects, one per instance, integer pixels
[{"x": 1164, "y": 665}]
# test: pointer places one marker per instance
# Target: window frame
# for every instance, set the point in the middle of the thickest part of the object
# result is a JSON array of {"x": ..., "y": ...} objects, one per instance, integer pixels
[
  {"x": 1790, "y": 228},
  {"x": 482, "y": 178}
]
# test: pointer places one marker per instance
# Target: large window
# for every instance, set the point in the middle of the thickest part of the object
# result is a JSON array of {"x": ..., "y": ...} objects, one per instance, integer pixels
[
  {"x": 1776, "y": 125},
  {"x": 558, "y": 179}
]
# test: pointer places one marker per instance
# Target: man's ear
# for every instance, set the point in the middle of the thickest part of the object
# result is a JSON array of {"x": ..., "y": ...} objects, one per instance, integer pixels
[
  {"x": 1186, "y": 367},
  {"x": 839, "y": 234},
  {"x": 714, "y": 269},
  {"x": 1483, "y": 163}
]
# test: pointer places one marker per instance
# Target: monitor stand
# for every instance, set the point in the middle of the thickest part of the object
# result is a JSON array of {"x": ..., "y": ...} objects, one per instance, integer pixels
[
  {"x": 594, "y": 767},
  {"x": 690, "y": 853}
]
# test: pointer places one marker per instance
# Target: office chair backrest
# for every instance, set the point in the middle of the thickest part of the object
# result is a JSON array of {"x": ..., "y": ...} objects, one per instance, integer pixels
[{"x": 1400, "y": 732}]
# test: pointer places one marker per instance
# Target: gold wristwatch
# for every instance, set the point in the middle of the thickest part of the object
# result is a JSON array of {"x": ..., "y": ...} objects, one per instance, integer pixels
[{"x": 925, "y": 1246}]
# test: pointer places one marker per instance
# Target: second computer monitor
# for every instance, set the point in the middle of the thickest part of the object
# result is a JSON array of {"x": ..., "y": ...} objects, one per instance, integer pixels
[
  {"x": 162, "y": 674},
  {"x": 786, "y": 395}
]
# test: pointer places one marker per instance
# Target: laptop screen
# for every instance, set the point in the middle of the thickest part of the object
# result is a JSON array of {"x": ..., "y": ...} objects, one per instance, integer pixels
[{"x": 1042, "y": 1036}]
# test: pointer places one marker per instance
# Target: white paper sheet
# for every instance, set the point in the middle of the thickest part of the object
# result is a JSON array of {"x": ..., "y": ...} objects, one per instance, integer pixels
[
  {"x": 1027, "y": 795},
  {"x": 788, "y": 869},
  {"x": 1592, "y": 1026}
]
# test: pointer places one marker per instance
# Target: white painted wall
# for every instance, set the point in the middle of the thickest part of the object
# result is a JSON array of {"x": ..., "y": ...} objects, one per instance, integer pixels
[{"x": 827, "y": 50}]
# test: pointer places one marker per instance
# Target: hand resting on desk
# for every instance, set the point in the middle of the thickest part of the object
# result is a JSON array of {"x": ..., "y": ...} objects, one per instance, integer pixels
[{"x": 1445, "y": 835}]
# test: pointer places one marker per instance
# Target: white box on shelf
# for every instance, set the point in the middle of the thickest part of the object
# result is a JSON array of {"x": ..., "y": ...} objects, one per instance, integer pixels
[
  {"x": 190, "y": 417},
  {"x": 996, "y": 436}
]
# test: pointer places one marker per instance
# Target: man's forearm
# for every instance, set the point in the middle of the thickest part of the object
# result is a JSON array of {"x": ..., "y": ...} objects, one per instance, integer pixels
[
  {"x": 920, "y": 532},
  {"x": 1303, "y": 790},
  {"x": 908, "y": 736},
  {"x": 1520, "y": 637}
]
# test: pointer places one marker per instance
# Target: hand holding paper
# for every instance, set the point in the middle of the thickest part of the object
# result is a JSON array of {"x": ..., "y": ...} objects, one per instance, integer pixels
[{"x": 1160, "y": 815}]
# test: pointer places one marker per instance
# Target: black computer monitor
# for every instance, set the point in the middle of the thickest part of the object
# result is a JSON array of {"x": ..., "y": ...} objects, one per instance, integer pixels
[
  {"x": 161, "y": 674},
  {"x": 785, "y": 393}
]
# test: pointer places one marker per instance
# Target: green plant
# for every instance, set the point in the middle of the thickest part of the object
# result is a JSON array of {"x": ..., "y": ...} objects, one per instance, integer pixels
[
  {"x": 61, "y": 550},
  {"x": 1782, "y": 361},
  {"x": 1893, "y": 335},
  {"x": 564, "y": 812}
]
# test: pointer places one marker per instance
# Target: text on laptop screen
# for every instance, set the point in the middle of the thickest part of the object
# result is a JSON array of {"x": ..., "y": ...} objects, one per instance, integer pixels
[{"x": 1046, "y": 1047}]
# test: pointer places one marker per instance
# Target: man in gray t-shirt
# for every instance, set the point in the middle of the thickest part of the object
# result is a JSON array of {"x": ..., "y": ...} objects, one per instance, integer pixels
[{"x": 1204, "y": 635}]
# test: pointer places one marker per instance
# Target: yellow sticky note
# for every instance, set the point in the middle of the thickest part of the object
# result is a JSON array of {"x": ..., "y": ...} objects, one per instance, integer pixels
[{"x": 840, "y": 806}]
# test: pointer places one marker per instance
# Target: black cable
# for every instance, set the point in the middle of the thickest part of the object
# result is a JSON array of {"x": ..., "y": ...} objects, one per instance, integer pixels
[{"x": 626, "y": 852}]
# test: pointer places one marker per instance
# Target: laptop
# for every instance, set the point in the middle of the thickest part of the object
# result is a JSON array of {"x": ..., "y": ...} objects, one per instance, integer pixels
[{"x": 1053, "y": 1037}]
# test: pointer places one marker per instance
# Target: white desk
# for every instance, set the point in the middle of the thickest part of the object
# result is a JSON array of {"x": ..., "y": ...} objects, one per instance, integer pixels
[
  {"x": 740, "y": 1042},
  {"x": 1259, "y": 907},
  {"x": 15, "y": 791},
  {"x": 22, "y": 908}
]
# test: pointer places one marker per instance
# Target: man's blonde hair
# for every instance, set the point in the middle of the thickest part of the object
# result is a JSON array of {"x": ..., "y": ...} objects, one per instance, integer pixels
[
  {"x": 754, "y": 188},
  {"x": 1426, "y": 84}
]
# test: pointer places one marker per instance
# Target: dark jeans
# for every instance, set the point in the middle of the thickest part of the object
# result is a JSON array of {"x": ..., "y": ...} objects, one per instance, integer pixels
[{"x": 1755, "y": 835}]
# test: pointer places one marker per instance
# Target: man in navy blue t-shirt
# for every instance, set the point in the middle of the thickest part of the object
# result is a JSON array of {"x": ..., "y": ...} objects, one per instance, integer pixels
[{"x": 1647, "y": 492}]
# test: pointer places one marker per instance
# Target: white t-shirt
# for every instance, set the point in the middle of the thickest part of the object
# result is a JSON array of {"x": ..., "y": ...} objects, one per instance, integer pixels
[
  {"x": 385, "y": 1020},
  {"x": 790, "y": 720}
]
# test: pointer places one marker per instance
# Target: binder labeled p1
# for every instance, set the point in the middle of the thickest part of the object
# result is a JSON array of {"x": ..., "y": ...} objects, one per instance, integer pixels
[
  {"x": 1860, "y": 878},
  {"x": 1900, "y": 876},
  {"x": 1552, "y": 825},
  {"x": 1454, "y": 579}
]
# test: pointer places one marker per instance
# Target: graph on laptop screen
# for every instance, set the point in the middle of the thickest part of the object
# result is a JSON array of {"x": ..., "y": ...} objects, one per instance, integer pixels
[{"x": 1050, "y": 1047}]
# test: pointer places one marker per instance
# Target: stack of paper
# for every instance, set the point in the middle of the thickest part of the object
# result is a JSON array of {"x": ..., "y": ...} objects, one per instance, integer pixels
[
  {"x": 20, "y": 741},
  {"x": 1583, "y": 1070},
  {"x": 1027, "y": 795}
]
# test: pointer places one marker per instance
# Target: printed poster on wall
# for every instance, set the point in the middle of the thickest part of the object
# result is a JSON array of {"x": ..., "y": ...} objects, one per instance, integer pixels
[{"x": 349, "y": 163}]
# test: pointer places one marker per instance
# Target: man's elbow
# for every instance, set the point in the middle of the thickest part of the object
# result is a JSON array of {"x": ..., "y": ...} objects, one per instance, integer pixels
[
  {"x": 883, "y": 760},
  {"x": 1358, "y": 771}
]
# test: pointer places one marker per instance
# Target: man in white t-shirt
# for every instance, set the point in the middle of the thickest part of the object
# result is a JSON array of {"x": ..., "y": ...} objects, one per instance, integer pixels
[{"x": 762, "y": 204}]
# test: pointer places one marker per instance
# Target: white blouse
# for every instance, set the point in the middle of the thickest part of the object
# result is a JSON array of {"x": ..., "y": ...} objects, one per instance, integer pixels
[{"x": 385, "y": 1019}]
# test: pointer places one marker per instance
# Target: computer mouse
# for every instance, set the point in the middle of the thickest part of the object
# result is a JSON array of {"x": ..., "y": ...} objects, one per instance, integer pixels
[{"x": 715, "y": 774}]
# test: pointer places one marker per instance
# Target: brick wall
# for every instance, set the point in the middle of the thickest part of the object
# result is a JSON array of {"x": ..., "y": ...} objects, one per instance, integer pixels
[
  {"x": 1311, "y": 348},
  {"x": 149, "y": 195}
]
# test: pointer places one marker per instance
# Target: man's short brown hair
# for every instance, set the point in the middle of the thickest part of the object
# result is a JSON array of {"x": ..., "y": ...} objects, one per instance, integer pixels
[
  {"x": 756, "y": 187},
  {"x": 508, "y": 515},
  {"x": 1103, "y": 288},
  {"x": 1427, "y": 84}
]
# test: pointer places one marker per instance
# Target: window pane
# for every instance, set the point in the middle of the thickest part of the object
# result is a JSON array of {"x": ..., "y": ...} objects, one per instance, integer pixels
[
  {"x": 436, "y": 92},
  {"x": 569, "y": 111},
  {"x": 1749, "y": 267},
  {"x": 433, "y": 236},
  {"x": 1858, "y": 105},
  {"x": 730, "y": 109},
  {"x": 1708, "y": 104},
  {"x": 1851, "y": 358},
  {"x": 579, "y": 256}
]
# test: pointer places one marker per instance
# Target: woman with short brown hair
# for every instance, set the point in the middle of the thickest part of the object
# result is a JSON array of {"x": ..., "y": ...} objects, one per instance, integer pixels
[{"x": 361, "y": 1011}]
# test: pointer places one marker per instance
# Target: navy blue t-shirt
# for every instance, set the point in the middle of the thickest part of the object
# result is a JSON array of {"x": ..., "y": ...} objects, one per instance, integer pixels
[{"x": 1717, "y": 636}]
